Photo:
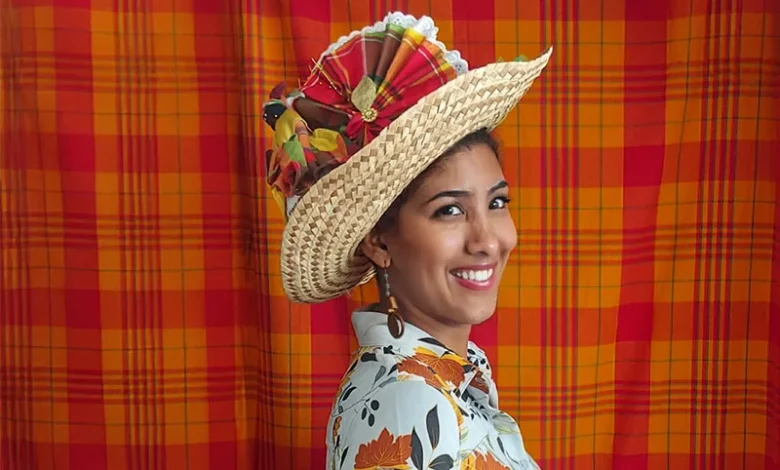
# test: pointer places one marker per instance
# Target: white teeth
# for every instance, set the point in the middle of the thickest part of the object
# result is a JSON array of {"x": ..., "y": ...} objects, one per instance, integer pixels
[{"x": 480, "y": 276}]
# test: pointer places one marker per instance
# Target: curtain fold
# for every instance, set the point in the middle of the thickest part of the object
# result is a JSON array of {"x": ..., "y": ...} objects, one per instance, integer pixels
[{"x": 142, "y": 320}]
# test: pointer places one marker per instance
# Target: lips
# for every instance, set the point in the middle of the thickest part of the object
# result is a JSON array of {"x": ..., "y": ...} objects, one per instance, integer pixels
[{"x": 475, "y": 277}]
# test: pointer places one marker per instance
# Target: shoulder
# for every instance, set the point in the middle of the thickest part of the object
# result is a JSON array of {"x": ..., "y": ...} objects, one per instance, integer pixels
[
  {"x": 377, "y": 367},
  {"x": 368, "y": 369},
  {"x": 384, "y": 377}
]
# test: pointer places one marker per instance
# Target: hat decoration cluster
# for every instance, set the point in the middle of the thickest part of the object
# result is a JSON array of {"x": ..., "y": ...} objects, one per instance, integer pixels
[{"x": 359, "y": 85}]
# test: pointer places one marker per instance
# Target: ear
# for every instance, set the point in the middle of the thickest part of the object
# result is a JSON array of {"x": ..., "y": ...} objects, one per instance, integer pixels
[{"x": 375, "y": 249}]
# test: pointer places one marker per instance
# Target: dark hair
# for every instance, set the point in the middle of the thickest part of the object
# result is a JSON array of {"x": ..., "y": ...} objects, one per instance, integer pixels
[{"x": 479, "y": 137}]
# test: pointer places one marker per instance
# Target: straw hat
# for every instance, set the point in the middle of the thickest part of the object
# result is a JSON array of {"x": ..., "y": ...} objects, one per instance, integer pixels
[{"x": 348, "y": 148}]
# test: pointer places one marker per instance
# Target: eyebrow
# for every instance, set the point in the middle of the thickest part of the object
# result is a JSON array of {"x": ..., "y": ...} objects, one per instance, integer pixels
[{"x": 455, "y": 193}]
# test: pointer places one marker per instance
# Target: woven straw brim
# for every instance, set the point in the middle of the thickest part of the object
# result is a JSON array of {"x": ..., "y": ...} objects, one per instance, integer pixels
[{"x": 325, "y": 229}]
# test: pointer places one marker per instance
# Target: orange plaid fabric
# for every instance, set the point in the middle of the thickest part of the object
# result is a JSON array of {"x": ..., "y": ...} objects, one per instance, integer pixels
[{"x": 142, "y": 322}]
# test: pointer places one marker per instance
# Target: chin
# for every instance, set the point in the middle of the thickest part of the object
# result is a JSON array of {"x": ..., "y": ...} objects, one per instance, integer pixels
[{"x": 480, "y": 313}]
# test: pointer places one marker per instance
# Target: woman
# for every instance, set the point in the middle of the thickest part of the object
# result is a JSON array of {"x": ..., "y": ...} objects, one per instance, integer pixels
[{"x": 383, "y": 163}]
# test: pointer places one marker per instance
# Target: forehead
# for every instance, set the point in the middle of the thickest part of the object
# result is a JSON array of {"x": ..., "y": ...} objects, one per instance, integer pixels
[{"x": 474, "y": 169}]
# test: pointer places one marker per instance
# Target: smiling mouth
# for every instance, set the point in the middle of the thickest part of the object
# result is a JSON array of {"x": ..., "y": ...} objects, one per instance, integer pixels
[{"x": 475, "y": 279}]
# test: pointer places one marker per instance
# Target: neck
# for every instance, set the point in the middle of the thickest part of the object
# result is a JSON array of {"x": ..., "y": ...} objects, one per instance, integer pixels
[{"x": 454, "y": 336}]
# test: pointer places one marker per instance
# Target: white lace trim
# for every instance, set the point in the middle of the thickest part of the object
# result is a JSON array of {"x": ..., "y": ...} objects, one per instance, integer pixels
[{"x": 424, "y": 25}]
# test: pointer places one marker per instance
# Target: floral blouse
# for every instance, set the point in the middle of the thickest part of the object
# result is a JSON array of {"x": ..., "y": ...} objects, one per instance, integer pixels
[{"x": 412, "y": 403}]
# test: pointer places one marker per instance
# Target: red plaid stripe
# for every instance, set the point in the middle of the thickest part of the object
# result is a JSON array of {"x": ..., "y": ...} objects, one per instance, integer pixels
[{"x": 142, "y": 322}]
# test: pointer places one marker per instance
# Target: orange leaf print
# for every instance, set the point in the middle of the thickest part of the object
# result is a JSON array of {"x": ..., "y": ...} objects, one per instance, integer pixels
[
  {"x": 449, "y": 367},
  {"x": 477, "y": 461},
  {"x": 384, "y": 452},
  {"x": 414, "y": 367},
  {"x": 336, "y": 427},
  {"x": 469, "y": 463},
  {"x": 480, "y": 383},
  {"x": 488, "y": 462}
]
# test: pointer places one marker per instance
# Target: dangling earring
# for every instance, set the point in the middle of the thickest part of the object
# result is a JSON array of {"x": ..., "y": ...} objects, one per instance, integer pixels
[{"x": 394, "y": 321}]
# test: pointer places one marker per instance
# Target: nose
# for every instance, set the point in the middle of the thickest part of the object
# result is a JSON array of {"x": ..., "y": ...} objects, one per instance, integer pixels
[{"x": 482, "y": 239}]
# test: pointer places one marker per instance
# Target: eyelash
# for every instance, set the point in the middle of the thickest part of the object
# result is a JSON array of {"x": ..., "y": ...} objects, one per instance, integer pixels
[{"x": 441, "y": 212}]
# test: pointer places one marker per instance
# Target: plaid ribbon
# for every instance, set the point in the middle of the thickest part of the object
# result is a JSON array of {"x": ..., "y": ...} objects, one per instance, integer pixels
[{"x": 403, "y": 63}]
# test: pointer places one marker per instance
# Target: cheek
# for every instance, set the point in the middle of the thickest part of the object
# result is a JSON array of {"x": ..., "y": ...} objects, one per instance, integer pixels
[
  {"x": 426, "y": 247},
  {"x": 432, "y": 248}
]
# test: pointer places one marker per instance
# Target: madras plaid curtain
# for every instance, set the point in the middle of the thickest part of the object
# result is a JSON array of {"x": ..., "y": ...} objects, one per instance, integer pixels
[{"x": 142, "y": 322}]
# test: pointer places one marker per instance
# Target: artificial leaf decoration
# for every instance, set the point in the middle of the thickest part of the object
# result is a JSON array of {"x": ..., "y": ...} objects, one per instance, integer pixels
[
  {"x": 364, "y": 94},
  {"x": 286, "y": 125},
  {"x": 294, "y": 150},
  {"x": 300, "y": 157}
]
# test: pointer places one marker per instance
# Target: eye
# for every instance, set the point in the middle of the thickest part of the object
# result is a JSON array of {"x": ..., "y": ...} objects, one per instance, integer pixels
[
  {"x": 448, "y": 211},
  {"x": 499, "y": 202}
]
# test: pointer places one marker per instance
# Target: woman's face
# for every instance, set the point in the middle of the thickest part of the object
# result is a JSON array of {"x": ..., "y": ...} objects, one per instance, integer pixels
[{"x": 451, "y": 241}]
